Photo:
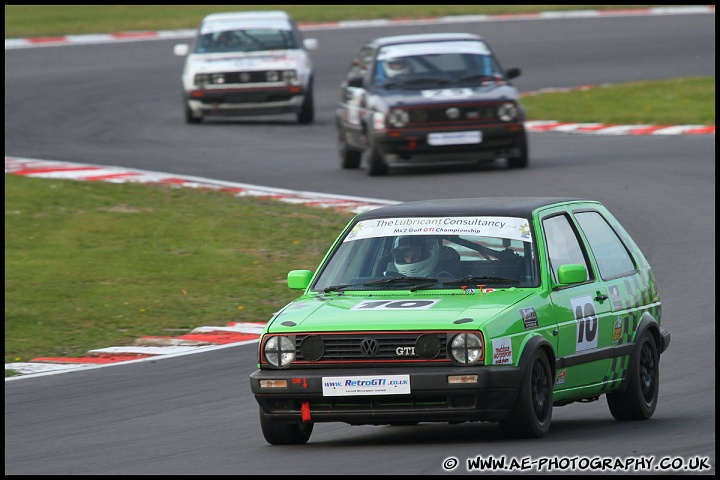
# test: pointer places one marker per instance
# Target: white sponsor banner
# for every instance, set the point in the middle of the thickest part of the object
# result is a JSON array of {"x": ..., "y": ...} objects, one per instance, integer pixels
[
  {"x": 429, "y": 48},
  {"x": 499, "y": 227},
  {"x": 366, "y": 385}
]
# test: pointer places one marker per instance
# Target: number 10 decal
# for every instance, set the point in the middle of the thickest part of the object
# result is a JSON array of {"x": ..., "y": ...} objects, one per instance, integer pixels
[
  {"x": 395, "y": 305},
  {"x": 586, "y": 322}
]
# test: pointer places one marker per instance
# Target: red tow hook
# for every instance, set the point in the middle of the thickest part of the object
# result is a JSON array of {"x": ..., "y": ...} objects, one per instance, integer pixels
[{"x": 305, "y": 411}]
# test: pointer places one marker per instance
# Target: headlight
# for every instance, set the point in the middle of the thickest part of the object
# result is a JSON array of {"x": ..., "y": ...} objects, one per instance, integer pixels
[
  {"x": 202, "y": 79},
  {"x": 398, "y": 118},
  {"x": 272, "y": 76},
  {"x": 507, "y": 112},
  {"x": 218, "y": 78},
  {"x": 466, "y": 348},
  {"x": 289, "y": 76},
  {"x": 279, "y": 351}
]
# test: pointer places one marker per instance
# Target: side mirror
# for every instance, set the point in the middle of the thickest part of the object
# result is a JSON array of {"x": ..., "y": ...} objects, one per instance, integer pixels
[
  {"x": 181, "y": 49},
  {"x": 513, "y": 72},
  {"x": 355, "y": 81},
  {"x": 572, "y": 273},
  {"x": 299, "y": 279},
  {"x": 310, "y": 43}
]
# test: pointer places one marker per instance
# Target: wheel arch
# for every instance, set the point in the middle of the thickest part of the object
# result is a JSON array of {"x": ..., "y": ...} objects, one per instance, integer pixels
[
  {"x": 650, "y": 325},
  {"x": 531, "y": 345}
]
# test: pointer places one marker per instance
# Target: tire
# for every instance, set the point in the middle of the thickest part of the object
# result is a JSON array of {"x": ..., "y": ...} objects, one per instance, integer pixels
[
  {"x": 307, "y": 111},
  {"x": 349, "y": 157},
  {"x": 639, "y": 400},
  {"x": 376, "y": 163},
  {"x": 520, "y": 161},
  {"x": 278, "y": 433},
  {"x": 531, "y": 415},
  {"x": 190, "y": 116}
]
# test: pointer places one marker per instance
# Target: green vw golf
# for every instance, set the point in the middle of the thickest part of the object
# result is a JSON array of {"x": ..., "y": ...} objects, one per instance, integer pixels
[{"x": 460, "y": 310}]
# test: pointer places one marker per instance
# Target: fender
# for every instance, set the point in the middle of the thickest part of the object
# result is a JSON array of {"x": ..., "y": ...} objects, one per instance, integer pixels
[
  {"x": 662, "y": 337},
  {"x": 662, "y": 340},
  {"x": 534, "y": 343}
]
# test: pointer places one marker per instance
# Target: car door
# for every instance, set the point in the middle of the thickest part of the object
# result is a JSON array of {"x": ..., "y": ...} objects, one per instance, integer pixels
[
  {"x": 582, "y": 310},
  {"x": 630, "y": 291}
]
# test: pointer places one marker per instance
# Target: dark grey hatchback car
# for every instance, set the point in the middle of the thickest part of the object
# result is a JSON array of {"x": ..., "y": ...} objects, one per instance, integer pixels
[{"x": 428, "y": 99}]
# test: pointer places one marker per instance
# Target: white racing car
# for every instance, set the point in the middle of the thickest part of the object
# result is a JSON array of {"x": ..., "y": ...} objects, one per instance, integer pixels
[{"x": 248, "y": 63}]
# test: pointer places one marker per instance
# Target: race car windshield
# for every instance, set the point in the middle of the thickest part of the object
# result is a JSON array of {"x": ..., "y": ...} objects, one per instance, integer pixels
[
  {"x": 447, "y": 251},
  {"x": 247, "y": 40},
  {"x": 461, "y": 69}
]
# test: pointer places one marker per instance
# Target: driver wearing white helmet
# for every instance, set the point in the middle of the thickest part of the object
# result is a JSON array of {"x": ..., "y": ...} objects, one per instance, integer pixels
[
  {"x": 396, "y": 66},
  {"x": 416, "y": 256}
]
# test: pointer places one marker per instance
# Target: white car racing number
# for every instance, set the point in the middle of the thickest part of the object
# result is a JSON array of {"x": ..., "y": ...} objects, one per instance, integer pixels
[{"x": 395, "y": 304}]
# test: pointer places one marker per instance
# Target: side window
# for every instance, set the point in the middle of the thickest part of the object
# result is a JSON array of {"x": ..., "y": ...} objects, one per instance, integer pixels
[
  {"x": 612, "y": 257},
  {"x": 562, "y": 244}
]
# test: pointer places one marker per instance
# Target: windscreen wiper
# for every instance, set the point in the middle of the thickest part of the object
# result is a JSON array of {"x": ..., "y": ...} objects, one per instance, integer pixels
[
  {"x": 383, "y": 281},
  {"x": 479, "y": 76},
  {"x": 465, "y": 280}
]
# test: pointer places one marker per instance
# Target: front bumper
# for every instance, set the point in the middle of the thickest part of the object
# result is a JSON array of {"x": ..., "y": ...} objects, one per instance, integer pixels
[
  {"x": 401, "y": 145},
  {"x": 431, "y": 397},
  {"x": 239, "y": 102}
]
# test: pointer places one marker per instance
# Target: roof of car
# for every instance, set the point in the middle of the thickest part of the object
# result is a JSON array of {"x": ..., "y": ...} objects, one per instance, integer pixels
[
  {"x": 496, "y": 206},
  {"x": 424, "y": 37}
]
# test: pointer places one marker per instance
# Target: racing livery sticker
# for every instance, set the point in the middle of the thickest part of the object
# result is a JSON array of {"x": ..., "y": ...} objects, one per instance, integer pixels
[
  {"x": 365, "y": 385},
  {"x": 617, "y": 330},
  {"x": 560, "y": 379},
  {"x": 395, "y": 304},
  {"x": 445, "y": 93},
  {"x": 502, "y": 351},
  {"x": 586, "y": 322},
  {"x": 254, "y": 24},
  {"x": 615, "y": 296},
  {"x": 529, "y": 317},
  {"x": 430, "y": 48},
  {"x": 500, "y": 227}
]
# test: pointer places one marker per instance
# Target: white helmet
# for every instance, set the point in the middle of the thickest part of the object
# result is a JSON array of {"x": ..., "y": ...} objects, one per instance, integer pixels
[
  {"x": 416, "y": 256},
  {"x": 396, "y": 66}
]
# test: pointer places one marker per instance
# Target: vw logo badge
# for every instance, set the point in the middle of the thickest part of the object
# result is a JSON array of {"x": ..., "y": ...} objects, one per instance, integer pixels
[
  {"x": 369, "y": 347},
  {"x": 453, "y": 113}
]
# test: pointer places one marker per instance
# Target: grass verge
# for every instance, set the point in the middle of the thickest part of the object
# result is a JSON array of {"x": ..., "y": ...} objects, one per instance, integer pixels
[
  {"x": 91, "y": 265},
  {"x": 679, "y": 101}
]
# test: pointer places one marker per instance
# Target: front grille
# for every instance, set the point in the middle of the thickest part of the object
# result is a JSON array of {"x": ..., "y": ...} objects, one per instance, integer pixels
[
  {"x": 374, "y": 347},
  {"x": 244, "y": 77},
  {"x": 474, "y": 113}
]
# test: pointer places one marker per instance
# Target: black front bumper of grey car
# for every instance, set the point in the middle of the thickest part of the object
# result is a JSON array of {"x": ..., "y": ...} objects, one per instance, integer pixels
[
  {"x": 431, "y": 399},
  {"x": 497, "y": 141}
]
